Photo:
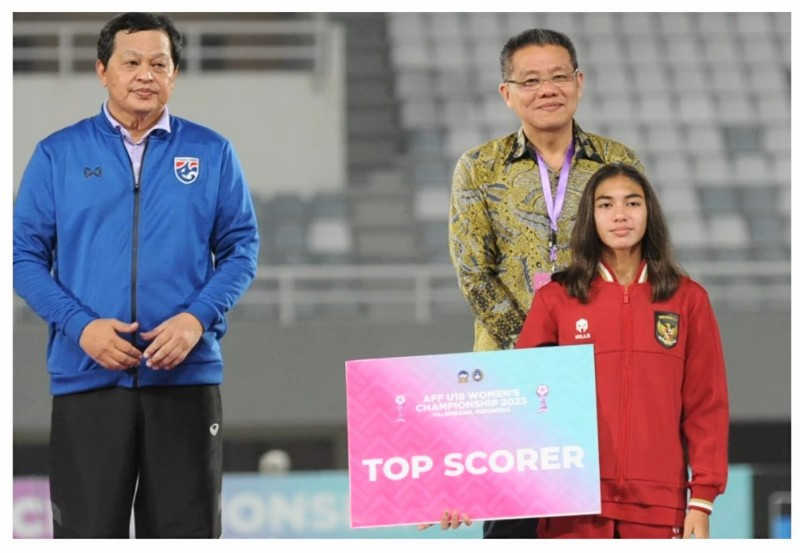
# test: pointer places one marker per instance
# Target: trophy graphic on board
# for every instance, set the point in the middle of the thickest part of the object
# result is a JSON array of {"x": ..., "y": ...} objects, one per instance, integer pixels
[
  {"x": 400, "y": 401},
  {"x": 542, "y": 390}
]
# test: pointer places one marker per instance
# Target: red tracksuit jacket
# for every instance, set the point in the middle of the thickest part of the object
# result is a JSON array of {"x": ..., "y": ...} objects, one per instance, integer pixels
[{"x": 662, "y": 397}]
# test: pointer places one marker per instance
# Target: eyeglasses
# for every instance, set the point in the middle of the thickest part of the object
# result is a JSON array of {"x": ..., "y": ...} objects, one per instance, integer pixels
[{"x": 560, "y": 80}]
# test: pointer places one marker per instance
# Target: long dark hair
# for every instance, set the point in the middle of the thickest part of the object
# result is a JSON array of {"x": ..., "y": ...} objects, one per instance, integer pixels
[{"x": 663, "y": 269}]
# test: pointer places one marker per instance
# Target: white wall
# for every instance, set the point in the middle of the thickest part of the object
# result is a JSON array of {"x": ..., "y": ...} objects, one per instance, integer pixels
[{"x": 288, "y": 128}]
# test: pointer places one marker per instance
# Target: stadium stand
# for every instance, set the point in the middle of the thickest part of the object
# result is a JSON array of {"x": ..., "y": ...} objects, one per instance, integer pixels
[{"x": 703, "y": 97}]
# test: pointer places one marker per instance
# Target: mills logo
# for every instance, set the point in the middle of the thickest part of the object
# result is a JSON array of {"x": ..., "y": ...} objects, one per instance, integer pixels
[{"x": 582, "y": 326}]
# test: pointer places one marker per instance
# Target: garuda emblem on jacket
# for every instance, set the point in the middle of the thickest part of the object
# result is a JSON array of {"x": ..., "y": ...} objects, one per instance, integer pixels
[{"x": 667, "y": 328}]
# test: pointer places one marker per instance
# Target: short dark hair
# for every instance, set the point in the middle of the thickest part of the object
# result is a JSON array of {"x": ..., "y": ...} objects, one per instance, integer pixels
[
  {"x": 537, "y": 37},
  {"x": 663, "y": 269},
  {"x": 133, "y": 22}
]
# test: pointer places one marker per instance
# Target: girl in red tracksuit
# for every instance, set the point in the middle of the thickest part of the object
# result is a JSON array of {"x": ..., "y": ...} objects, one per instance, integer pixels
[{"x": 662, "y": 399}]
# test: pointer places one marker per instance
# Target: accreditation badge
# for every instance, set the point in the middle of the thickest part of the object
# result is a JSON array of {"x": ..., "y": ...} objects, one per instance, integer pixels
[
  {"x": 540, "y": 279},
  {"x": 666, "y": 324}
]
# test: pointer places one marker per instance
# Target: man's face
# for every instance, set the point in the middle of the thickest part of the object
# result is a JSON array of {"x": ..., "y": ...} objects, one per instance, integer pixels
[
  {"x": 550, "y": 107},
  {"x": 140, "y": 75}
]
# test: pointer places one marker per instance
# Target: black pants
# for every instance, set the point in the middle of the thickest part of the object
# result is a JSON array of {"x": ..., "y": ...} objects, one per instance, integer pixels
[
  {"x": 158, "y": 449},
  {"x": 519, "y": 528}
]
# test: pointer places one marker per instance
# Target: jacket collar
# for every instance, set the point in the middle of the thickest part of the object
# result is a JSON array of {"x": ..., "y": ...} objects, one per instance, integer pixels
[{"x": 605, "y": 273}]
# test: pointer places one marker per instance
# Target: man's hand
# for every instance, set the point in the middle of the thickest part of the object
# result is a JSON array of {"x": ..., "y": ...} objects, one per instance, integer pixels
[
  {"x": 696, "y": 522},
  {"x": 172, "y": 341},
  {"x": 101, "y": 341}
]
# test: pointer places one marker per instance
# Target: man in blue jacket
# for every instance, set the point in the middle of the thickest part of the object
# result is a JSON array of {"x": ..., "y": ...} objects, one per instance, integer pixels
[{"x": 134, "y": 234}]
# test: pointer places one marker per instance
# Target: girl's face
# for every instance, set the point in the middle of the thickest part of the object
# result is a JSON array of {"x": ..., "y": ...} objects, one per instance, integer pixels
[{"x": 620, "y": 214}]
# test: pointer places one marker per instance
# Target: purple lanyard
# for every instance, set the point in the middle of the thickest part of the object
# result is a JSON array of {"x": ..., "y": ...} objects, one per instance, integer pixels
[{"x": 554, "y": 208}]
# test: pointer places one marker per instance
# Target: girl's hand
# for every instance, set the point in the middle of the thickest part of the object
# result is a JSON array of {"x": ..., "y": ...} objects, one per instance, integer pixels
[
  {"x": 450, "y": 519},
  {"x": 696, "y": 522}
]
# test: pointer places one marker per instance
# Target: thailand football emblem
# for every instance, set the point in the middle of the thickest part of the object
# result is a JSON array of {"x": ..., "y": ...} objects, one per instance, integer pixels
[{"x": 187, "y": 169}]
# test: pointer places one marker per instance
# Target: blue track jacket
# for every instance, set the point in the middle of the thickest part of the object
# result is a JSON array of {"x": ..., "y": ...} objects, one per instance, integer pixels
[{"x": 89, "y": 242}]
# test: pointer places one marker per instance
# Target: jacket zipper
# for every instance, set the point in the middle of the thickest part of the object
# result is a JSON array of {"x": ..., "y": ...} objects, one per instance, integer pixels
[
  {"x": 626, "y": 385},
  {"x": 135, "y": 247}
]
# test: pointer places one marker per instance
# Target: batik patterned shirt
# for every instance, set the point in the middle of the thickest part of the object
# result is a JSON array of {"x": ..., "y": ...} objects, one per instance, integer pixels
[{"x": 500, "y": 231}]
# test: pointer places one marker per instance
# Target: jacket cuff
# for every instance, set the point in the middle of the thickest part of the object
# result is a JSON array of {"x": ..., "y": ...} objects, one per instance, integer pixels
[
  {"x": 204, "y": 313},
  {"x": 703, "y": 498},
  {"x": 73, "y": 327},
  {"x": 701, "y": 505}
]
